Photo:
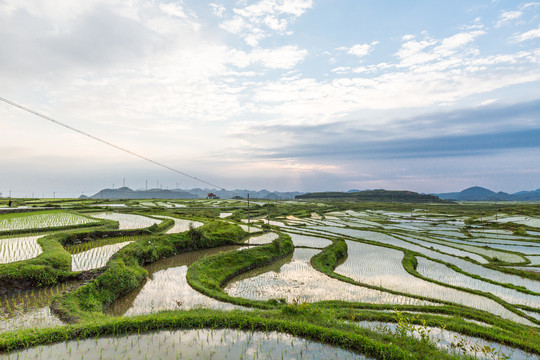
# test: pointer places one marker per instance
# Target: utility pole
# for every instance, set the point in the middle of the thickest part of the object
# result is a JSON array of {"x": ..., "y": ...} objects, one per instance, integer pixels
[
  {"x": 53, "y": 194},
  {"x": 249, "y": 217},
  {"x": 124, "y": 182}
]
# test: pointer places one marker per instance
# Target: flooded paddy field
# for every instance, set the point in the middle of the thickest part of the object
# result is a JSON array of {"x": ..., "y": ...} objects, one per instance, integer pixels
[
  {"x": 382, "y": 267},
  {"x": 294, "y": 279},
  {"x": 167, "y": 289},
  {"x": 30, "y": 309},
  {"x": 19, "y": 248},
  {"x": 181, "y": 225},
  {"x": 189, "y": 344},
  {"x": 39, "y": 220},
  {"x": 128, "y": 221},
  {"x": 95, "y": 258},
  {"x": 452, "y": 341},
  {"x": 437, "y": 263}
]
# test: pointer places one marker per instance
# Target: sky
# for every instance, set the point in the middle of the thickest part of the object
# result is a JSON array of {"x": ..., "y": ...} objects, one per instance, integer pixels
[{"x": 286, "y": 95}]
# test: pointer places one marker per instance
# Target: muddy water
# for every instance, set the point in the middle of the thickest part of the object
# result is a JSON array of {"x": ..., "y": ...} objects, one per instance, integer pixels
[
  {"x": 294, "y": 279},
  {"x": 189, "y": 344},
  {"x": 167, "y": 287}
]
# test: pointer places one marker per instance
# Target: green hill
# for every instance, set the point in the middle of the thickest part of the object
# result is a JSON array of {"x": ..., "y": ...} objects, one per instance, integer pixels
[{"x": 375, "y": 195}]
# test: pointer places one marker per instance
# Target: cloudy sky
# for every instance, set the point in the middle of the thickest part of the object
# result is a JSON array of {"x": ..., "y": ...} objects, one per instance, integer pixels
[{"x": 308, "y": 95}]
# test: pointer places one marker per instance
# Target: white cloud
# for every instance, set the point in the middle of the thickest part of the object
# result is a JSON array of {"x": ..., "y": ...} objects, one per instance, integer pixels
[
  {"x": 529, "y": 35},
  {"x": 173, "y": 10},
  {"x": 218, "y": 9},
  {"x": 284, "y": 57},
  {"x": 361, "y": 50},
  {"x": 531, "y": 4},
  {"x": 253, "y": 22},
  {"x": 414, "y": 53},
  {"x": 507, "y": 16}
]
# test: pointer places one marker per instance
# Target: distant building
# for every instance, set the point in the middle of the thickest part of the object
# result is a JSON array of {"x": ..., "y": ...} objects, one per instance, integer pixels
[{"x": 212, "y": 196}]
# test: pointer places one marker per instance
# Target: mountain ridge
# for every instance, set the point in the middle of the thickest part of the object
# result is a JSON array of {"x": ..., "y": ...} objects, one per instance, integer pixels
[{"x": 478, "y": 193}]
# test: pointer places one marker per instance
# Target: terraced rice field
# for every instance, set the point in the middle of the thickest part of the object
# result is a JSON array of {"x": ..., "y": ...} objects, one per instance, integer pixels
[
  {"x": 167, "y": 288},
  {"x": 263, "y": 239},
  {"x": 189, "y": 344},
  {"x": 40, "y": 220},
  {"x": 454, "y": 341},
  {"x": 378, "y": 266},
  {"x": 295, "y": 279},
  {"x": 19, "y": 248},
  {"x": 30, "y": 309},
  {"x": 128, "y": 221},
  {"x": 95, "y": 258},
  {"x": 181, "y": 225},
  {"x": 433, "y": 270},
  {"x": 452, "y": 259}
]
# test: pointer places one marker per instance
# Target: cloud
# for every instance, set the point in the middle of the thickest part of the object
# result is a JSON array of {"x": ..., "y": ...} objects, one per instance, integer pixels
[
  {"x": 413, "y": 52},
  {"x": 507, "y": 16},
  {"x": 529, "y": 35},
  {"x": 284, "y": 57},
  {"x": 258, "y": 21},
  {"x": 436, "y": 135},
  {"x": 218, "y": 9},
  {"x": 360, "y": 50}
]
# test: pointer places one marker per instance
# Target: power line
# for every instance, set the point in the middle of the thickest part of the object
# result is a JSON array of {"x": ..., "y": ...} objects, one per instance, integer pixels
[{"x": 105, "y": 142}]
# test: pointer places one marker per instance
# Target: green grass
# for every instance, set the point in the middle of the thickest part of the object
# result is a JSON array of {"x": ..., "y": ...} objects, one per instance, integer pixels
[
  {"x": 124, "y": 271},
  {"x": 210, "y": 274},
  {"x": 310, "y": 324}
]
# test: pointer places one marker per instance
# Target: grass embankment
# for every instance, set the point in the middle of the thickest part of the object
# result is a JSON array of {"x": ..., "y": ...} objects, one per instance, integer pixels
[
  {"x": 53, "y": 265},
  {"x": 124, "y": 271},
  {"x": 505, "y": 332},
  {"x": 210, "y": 274},
  {"x": 410, "y": 263},
  {"x": 307, "y": 323}
]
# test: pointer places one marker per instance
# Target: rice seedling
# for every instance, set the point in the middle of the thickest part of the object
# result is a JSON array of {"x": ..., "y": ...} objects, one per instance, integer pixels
[
  {"x": 41, "y": 220},
  {"x": 167, "y": 288},
  {"x": 296, "y": 279},
  {"x": 442, "y": 273},
  {"x": 96, "y": 257},
  {"x": 250, "y": 228},
  {"x": 262, "y": 239},
  {"x": 448, "y": 340},
  {"x": 128, "y": 221},
  {"x": 378, "y": 266},
  {"x": 17, "y": 249},
  {"x": 309, "y": 241},
  {"x": 487, "y": 252},
  {"x": 200, "y": 344},
  {"x": 464, "y": 265},
  {"x": 180, "y": 225}
]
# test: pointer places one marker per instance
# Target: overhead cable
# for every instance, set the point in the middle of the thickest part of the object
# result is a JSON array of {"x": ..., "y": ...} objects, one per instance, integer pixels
[{"x": 12, "y": 103}]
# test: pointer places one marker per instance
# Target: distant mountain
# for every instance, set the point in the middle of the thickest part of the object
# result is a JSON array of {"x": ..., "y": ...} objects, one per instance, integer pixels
[
  {"x": 127, "y": 193},
  {"x": 375, "y": 195},
  {"x": 261, "y": 194},
  {"x": 477, "y": 193}
]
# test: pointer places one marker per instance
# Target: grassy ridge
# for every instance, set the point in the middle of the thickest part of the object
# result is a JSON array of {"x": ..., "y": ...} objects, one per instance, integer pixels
[
  {"x": 210, "y": 274},
  {"x": 53, "y": 265},
  {"x": 507, "y": 332},
  {"x": 124, "y": 272},
  {"x": 320, "y": 328}
]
